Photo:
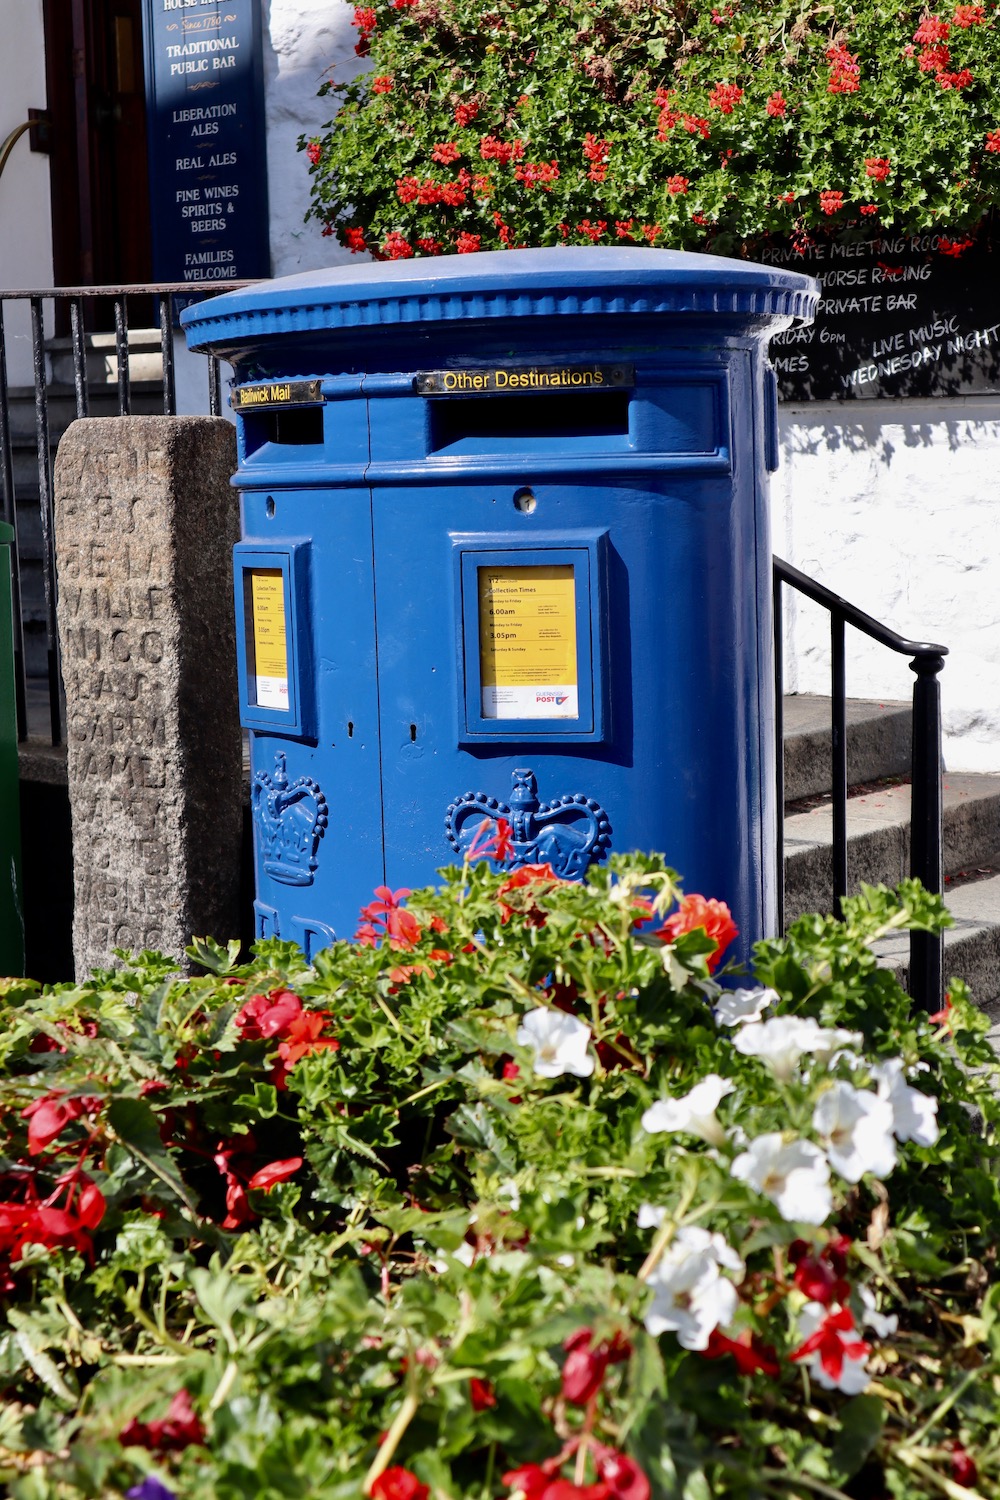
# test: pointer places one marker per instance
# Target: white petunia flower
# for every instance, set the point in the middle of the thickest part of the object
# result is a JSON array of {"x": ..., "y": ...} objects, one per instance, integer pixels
[
  {"x": 694, "y": 1114},
  {"x": 853, "y": 1377},
  {"x": 511, "y": 1192},
  {"x": 795, "y": 1176},
  {"x": 691, "y": 1238},
  {"x": 691, "y": 1297},
  {"x": 649, "y": 1216},
  {"x": 882, "y": 1324},
  {"x": 855, "y": 1126},
  {"x": 737, "y": 1007},
  {"x": 559, "y": 1042},
  {"x": 914, "y": 1115},
  {"x": 783, "y": 1040}
]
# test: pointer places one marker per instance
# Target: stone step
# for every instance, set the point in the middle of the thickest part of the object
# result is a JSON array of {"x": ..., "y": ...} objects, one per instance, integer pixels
[
  {"x": 147, "y": 400},
  {"x": 878, "y": 838},
  {"x": 145, "y": 360},
  {"x": 878, "y": 743},
  {"x": 971, "y": 947}
]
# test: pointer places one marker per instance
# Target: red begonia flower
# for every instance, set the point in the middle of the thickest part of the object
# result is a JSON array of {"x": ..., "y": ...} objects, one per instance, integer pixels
[
  {"x": 481, "y": 1394},
  {"x": 749, "y": 1351},
  {"x": 278, "y": 1171},
  {"x": 530, "y": 1480},
  {"x": 49, "y": 1117},
  {"x": 829, "y": 1343},
  {"x": 621, "y": 1474},
  {"x": 398, "y": 1483}
]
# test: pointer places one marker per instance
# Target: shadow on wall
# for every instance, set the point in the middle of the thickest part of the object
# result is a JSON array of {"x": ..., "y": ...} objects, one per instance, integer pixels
[{"x": 883, "y": 426}]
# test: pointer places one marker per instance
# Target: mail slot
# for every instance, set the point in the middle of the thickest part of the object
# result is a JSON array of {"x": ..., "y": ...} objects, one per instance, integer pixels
[{"x": 505, "y": 555}]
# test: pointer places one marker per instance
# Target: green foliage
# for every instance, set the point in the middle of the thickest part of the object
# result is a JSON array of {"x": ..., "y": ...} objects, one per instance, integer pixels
[
  {"x": 527, "y": 122},
  {"x": 352, "y": 1213}
]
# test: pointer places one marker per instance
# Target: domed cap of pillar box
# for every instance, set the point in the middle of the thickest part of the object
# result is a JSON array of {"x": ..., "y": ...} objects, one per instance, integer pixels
[{"x": 567, "y": 281}]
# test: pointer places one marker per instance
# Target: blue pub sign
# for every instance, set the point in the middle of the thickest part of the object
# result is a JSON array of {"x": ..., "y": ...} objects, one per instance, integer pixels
[
  {"x": 205, "y": 128},
  {"x": 506, "y": 554}
]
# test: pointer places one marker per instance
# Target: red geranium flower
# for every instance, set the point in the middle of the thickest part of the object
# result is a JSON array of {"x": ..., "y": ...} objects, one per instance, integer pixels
[
  {"x": 724, "y": 96},
  {"x": 171, "y": 1434},
  {"x": 831, "y": 201},
  {"x": 267, "y": 1016},
  {"x": 713, "y": 916},
  {"x": 776, "y": 105},
  {"x": 382, "y": 84}
]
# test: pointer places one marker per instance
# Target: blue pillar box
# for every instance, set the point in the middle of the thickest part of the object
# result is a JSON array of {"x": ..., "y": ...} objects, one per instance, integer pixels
[{"x": 506, "y": 555}]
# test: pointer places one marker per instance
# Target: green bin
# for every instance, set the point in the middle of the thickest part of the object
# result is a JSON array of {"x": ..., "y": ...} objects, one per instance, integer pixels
[{"x": 11, "y": 909}]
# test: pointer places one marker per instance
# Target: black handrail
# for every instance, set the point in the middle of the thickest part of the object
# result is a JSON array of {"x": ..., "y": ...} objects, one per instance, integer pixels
[
  {"x": 926, "y": 950},
  {"x": 77, "y": 298}
]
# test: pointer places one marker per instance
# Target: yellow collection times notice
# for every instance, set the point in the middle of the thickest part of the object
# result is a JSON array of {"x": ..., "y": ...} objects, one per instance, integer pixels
[
  {"x": 270, "y": 644},
  {"x": 527, "y": 642}
]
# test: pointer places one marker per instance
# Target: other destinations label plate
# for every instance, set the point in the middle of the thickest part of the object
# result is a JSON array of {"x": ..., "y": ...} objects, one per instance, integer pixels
[{"x": 514, "y": 379}]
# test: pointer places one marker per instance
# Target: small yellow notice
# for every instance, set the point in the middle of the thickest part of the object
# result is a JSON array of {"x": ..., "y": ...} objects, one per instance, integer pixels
[
  {"x": 270, "y": 645},
  {"x": 527, "y": 642}
]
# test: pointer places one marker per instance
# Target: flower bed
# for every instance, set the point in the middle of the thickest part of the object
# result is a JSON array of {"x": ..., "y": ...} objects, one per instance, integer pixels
[
  {"x": 507, "y": 1197},
  {"x": 526, "y": 122}
]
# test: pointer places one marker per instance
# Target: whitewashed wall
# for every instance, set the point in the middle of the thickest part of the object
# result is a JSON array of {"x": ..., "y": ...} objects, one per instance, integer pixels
[
  {"x": 896, "y": 506},
  {"x": 25, "y": 210},
  {"x": 304, "y": 41}
]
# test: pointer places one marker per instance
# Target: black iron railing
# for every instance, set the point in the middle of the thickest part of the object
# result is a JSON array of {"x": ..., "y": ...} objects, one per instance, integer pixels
[
  {"x": 85, "y": 306},
  {"x": 925, "y": 804}
]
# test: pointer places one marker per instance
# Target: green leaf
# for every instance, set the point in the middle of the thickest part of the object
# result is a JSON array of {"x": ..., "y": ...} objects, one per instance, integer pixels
[
  {"x": 134, "y": 1123},
  {"x": 263, "y": 1101},
  {"x": 207, "y": 952},
  {"x": 220, "y": 1296},
  {"x": 861, "y": 1423}
]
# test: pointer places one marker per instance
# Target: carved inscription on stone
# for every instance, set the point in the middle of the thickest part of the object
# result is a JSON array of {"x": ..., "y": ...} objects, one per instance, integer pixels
[{"x": 145, "y": 521}]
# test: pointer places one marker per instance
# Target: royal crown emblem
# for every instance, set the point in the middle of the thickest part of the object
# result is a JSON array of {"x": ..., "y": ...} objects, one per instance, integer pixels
[
  {"x": 570, "y": 833},
  {"x": 291, "y": 818}
]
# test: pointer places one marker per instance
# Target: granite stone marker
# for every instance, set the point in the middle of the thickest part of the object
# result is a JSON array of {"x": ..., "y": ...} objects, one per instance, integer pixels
[{"x": 145, "y": 523}]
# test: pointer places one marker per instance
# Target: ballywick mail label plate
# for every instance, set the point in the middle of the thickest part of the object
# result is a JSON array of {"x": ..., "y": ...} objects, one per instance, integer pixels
[
  {"x": 516, "y": 380},
  {"x": 276, "y": 393}
]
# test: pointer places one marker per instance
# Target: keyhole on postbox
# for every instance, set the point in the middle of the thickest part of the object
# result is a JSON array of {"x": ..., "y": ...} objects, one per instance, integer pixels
[
  {"x": 350, "y": 729},
  {"x": 413, "y": 734},
  {"x": 269, "y": 506},
  {"x": 524, "y": 501}
]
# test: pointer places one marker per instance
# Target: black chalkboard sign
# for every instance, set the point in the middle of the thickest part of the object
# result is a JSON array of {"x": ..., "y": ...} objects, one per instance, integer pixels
[
  {"x": 205, "y": 127},
  {"x": 900, "y": 315}
]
